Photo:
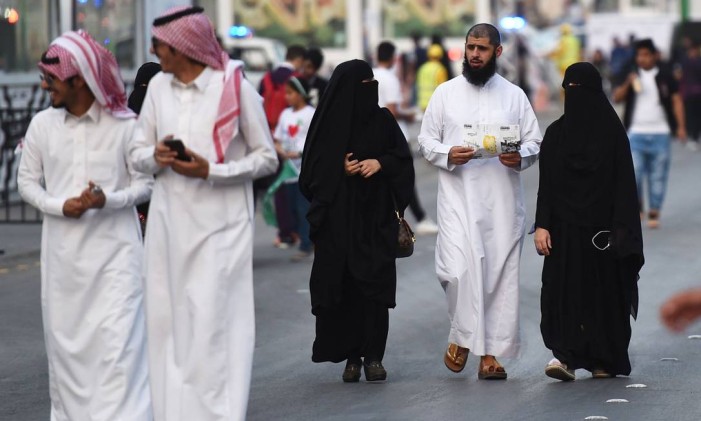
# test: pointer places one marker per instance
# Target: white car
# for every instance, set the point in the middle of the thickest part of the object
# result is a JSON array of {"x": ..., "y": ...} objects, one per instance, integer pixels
[{"x": 258, "y": 54}]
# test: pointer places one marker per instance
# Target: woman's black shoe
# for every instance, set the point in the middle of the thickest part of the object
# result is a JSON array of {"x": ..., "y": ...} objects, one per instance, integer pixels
[
  {"x": 351, "y": 374},
  {"x": 374, "y": 371}
]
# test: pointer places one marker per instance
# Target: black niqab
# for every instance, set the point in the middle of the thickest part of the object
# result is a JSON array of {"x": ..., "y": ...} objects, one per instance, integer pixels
[{"x": 143, "y": 77}]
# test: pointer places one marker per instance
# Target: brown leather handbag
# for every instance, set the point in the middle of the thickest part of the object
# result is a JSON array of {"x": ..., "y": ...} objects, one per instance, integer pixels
[{"x": 406, "y": 237}]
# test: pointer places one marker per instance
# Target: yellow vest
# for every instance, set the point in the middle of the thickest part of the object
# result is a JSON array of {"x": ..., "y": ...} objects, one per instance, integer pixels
[{"x": 430, "y": 75}]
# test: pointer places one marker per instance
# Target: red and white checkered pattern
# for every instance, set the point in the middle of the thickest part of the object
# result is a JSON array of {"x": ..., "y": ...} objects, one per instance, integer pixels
[
  {"x": 66, "y": 66},
  {"x": 96, "y": 65},
  {"x": 193, "y": 35}
]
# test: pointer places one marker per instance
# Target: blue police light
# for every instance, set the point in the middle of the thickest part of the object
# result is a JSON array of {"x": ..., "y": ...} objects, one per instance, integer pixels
[
  {"x": 240, "y": 31},
  {"x": 512, "y": 22}
]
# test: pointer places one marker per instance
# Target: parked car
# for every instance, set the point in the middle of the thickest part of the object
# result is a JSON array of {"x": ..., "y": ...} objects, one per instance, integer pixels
[{"x": 258, "y": 54}]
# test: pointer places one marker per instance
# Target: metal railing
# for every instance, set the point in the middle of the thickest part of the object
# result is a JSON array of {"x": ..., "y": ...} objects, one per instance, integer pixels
[{"x": 18, "y": 104}]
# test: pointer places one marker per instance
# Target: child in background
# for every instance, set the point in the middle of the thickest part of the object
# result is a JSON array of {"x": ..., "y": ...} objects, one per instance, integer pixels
[{"x": 290, "y": 134}]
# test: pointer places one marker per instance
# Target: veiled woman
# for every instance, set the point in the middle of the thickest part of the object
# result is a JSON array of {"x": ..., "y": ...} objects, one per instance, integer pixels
[
  {"x": 588, "y": 228},
  {"x": 356, "y": 165}
]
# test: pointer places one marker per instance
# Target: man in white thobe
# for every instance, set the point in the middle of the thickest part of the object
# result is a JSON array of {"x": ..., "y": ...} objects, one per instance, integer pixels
[
  {"x": 480, "y": 204},
  {"x": 199, "y": 243},
  {"x": 75, "y": 169}
]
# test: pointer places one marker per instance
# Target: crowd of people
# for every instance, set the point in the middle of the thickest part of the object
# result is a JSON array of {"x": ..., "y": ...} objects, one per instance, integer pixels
[{"x": 164, "y": 328}]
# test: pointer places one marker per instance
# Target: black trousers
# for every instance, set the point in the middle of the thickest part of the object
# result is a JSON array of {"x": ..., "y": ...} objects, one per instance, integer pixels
[
  {"x": 415, "y": 206},
  {"x": 369, "y": 324},
  {"x": 692, "y": 109},
  {"x": 356, "y": 329}
]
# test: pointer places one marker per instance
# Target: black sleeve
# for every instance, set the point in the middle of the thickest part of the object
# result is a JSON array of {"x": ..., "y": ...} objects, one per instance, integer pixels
[
  {"x": 397, "y": 162},
  {"x": 543, "y": 204}
]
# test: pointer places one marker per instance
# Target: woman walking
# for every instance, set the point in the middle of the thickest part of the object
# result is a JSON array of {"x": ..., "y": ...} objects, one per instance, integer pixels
[
  {"x": 356, "y": 171},
  {"x": 588, "y": 228}
]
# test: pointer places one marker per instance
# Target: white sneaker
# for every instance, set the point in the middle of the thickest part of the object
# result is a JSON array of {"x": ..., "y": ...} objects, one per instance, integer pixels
[
  {"x": 692, "y": 145},
  {"x": 557, "y": 370},
  {"x": 426, "y": 227}
]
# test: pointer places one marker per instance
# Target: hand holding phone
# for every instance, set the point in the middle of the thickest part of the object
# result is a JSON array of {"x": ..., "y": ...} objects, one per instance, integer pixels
[{"x": 178, "y": 146}]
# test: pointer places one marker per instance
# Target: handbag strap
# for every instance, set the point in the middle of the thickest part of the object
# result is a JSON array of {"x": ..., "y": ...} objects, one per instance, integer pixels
[{"x": 396, "y": 208}]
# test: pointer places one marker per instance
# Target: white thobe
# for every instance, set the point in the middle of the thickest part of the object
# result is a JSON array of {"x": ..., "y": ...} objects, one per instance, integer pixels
[
  {"x": 91, "y": 267},
  {"x": 199, "y": 247},
  {"x": 481, "y": 214}
]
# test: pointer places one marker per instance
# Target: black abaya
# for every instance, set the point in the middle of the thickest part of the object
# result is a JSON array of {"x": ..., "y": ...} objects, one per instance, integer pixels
[
  {"x": 587, "y": 185},
  {"x": 352, "y": 220}
]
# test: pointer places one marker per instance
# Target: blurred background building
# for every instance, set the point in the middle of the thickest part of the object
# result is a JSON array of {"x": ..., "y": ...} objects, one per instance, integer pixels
[
  {"x": 258, "y": 31},
  {"x": 342, "y": 28}
]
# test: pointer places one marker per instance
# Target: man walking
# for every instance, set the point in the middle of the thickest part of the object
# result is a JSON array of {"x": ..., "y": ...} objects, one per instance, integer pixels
[
  {"x": 75, "y": 170},
  {"x": 199, "y": 247},
  {"x": 390, "y": 97},
  {"x": 653, "y": 109},
  {"x": 313, "y": 59},
  {"x": 481, "y": 214}
]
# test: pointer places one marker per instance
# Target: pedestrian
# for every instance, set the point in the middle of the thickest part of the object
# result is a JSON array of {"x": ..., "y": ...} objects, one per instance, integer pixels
[
  {"x": 272, "y": 86},
  {"x": 390, "y": 97},
  {"x": 481, "y": 214},
  {"x": 136, "y": 100},
  {"x": 418, "y": 57},
  {"x": 690, "y": 86},
  {"x": 598, "y": 59},
  {"x": 653, "y": 110},
  {"x": 588, "y": 229},
  {"x": 437, "y": 39},
  {"x": 199, "y": 244},
  {"x": 75, "y": 170},
  {"x": 680, "y": 310},
  {"x": 290, "y": 136},
  {"x": 357, "y": 172},
  {"x": 313, "y": 59},
  {"x": 430, "y": 75},
  {"x": 621, "y": 56},
  {"x": 272, "y": 89},
  {"x": 568, "y": 50},
  {"x": 143, "y": 76}
]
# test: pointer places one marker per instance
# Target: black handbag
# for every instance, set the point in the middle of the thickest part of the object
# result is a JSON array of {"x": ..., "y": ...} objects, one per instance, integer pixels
[{"x": 406, "y": 237}]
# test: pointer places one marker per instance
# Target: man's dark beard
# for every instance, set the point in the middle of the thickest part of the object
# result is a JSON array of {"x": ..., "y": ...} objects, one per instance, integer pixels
[{"x": 479, "y": 76}]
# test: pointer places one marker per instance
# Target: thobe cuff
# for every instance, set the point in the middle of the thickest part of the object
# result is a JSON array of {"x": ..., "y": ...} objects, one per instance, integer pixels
[
  {"x": 146, "y": 163},
  {"x": 54, "y": 206},
  {"x": 217, "y": 172},
  {"x": 443, "y": 151},
  {"x": 114, "y": 200}
]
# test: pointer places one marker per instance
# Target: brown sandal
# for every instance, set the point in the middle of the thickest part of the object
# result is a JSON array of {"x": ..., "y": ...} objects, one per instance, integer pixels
[
  {"x": 455, "y": 358},
  {"x": 491, "y": 372}
]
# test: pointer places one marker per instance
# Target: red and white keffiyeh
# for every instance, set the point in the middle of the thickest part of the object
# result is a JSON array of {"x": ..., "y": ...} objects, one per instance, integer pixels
[
  {"x": 189, "y": 31},
  {"x": 79, "y": 53}
]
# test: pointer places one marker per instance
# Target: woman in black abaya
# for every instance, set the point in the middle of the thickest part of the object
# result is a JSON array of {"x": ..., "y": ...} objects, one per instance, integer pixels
[
  {"x": 588, "y": 228},
  {"x": 355, "y": 162}
]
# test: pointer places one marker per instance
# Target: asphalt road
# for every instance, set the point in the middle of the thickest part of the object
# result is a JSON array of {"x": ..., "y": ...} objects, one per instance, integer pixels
[{"x": 288, "y": 386}]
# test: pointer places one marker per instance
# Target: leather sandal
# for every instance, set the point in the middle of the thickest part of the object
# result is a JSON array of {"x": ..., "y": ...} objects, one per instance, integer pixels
[
  {"x": 455, "y": 358},
  {"x": 559, "y": 371},
  {"x": 491, "y": 372}
]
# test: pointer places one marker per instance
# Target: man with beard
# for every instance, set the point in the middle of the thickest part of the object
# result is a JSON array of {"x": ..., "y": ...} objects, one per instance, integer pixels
[
  {"x": 75, "y": 169},
  {"x": 481, "y": 214}
]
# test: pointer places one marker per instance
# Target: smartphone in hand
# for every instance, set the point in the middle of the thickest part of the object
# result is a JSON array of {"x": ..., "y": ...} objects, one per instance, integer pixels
[{"x": 178, "y": 146}]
